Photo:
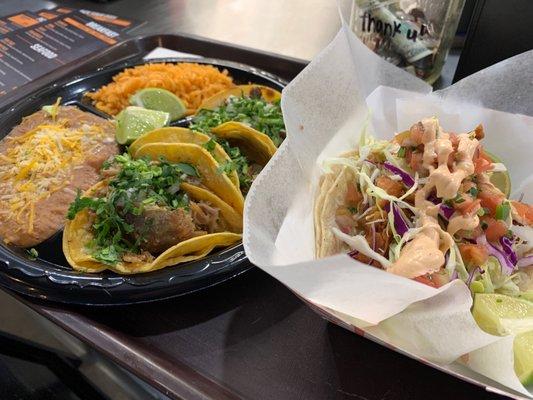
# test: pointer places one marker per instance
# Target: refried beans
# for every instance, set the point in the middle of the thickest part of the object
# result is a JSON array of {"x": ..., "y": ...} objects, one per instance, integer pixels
[{"x": 44, "y": 161}]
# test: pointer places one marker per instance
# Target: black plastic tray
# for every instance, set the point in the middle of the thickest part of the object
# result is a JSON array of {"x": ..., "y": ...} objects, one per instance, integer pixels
[{"x": 50, "y": 277}]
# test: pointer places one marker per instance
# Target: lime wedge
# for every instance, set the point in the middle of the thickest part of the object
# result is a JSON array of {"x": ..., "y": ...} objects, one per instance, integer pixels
[
  {"x": 523, "y": 357},
  {"x": 503, "y": 315},
  {"x": 160, "y": 100},
  {"x": 499, "y": 314},
  {"x": 133, "y": 122},
  {"x": 501, "y": 180}
]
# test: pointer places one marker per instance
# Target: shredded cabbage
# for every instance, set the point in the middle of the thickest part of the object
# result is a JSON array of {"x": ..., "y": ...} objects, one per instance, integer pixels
[
  {"x": 502, "y": 283},
  {"x": 395, "y": 235},
  {"x": 498, "y": 167},
  {"x": 411, "y": 189},
  {"x": 346, "y": 161},
  {"x": 523, "y": 232},
  {"x": 382, "y": 194},
  {"x": 494, "y": 281},
  {"x": 360, "y": 244},
  {"x": 408, "y": 235},
  {"x": 459, "y": 263}
]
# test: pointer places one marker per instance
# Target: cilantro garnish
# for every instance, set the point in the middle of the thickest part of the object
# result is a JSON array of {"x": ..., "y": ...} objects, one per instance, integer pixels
[
  {"x": 32, "y": 253},
  {"x": 473, "y": 191},
  {"x": 139, "y": 183},
  {"x": 237, "y": 163},
  {"x": 253, "y": 111}
]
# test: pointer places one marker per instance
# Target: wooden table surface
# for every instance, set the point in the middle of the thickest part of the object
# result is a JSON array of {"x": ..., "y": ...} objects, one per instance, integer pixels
[{"x": 249, "y": 337}]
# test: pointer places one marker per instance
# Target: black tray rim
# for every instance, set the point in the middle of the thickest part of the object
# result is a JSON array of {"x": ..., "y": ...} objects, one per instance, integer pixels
[{"x": 26, "y": 276}]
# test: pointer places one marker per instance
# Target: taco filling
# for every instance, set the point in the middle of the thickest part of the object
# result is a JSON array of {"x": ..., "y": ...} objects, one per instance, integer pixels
[
  {"x": 251, "y": 110},
  {"x": 143, "y": 210},
  {"x": 429, "y": 205}
]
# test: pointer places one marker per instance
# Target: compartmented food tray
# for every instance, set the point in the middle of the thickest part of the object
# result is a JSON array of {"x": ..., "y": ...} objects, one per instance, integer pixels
[{"x": 50, "y": 277}]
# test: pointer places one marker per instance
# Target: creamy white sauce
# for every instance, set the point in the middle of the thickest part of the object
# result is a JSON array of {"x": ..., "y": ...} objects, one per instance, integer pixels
[{"x": 424, "y": 254}]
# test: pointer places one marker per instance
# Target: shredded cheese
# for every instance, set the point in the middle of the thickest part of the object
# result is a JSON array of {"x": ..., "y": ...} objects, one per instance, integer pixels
[{"x": 38, "y": 163}]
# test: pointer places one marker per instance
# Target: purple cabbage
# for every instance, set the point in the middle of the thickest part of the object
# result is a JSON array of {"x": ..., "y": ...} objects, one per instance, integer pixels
[
  {"x": 507, "y": 246},
  {"x": 399, "y": 222},
  {"x": 525, "y": 262},
  {"x": 446, "y": 211},
  {"x": 506, "y": 264},
  {"x": 433, "y": 198},
  {"x": 406, "y": 178}
]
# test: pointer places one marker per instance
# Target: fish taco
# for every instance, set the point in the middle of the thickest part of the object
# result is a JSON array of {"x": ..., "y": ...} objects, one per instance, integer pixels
[
  {"x": 434, "y": 206},
  {"x": 425, "y": 206}
]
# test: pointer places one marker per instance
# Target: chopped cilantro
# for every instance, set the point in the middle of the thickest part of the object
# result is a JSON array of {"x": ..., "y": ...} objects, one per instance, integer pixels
[
  {"x": 210, "y": 145},
  {"x": 253, "y": 111},
  {"x": 137, "y": 184},
  {"x": 458, "y": 199},
  {"x": 32, "y": 254},
  {"x": 473, "y": 191},
  {"x": 238, "y": 163}
]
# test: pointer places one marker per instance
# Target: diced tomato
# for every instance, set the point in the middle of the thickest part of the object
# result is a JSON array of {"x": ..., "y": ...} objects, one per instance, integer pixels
[
  {"x": 416, "y": 161},
  {"x": 473, "y": 254},
  {"x": 482, "y": 165},
  {"x": 495, "y": 229},
  {"x": 353, "y": 196},
  {"x": 440, "y": 278},
  {"x": 491, "y": 199},
  {"x": 417, "y": 133},
  {"x": 469, "y": 206},
  {"x": 525, "y": 211},
  {"x": 425, "y": 280}
]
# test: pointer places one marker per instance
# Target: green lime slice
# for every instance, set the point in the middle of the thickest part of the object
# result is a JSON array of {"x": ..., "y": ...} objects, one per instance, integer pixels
[
  {"x": 499, "y": 314},
  {"x": 132, "y": 122},
  {"x": 523, "y": 357},
  {"x": 501, "y": 180},
  {"x": 160, "y": 100}
]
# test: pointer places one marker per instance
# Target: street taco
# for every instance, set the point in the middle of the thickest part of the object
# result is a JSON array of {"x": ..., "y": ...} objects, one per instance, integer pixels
[
  {"x": 210, "y": 175},
  {"x": 184, "y": 135},
  {"x": 247, "y": 122},
  {"x": 148, "y": 215}
]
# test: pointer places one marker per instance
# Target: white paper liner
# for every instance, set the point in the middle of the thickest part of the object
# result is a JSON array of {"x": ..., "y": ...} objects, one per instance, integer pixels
[{"x": 325, "y": 108}]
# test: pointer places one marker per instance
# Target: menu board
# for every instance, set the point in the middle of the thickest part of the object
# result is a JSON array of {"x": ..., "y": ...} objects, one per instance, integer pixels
[{"x": 33, "y": 44}]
